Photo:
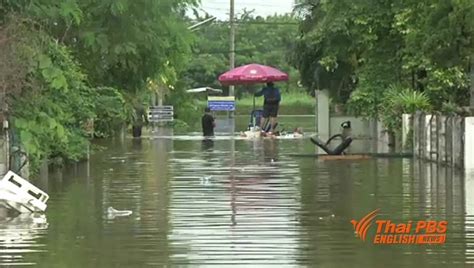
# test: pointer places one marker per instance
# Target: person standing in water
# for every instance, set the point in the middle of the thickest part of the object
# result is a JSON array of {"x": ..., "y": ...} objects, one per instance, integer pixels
[
  {"x": 271, "y": 103},
  {"x": 208, "y": 123},
  {"x": 139, "y": 120}
]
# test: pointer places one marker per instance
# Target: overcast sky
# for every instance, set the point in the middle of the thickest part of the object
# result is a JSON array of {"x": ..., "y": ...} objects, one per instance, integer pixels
[{"x": 220, "y": 8}]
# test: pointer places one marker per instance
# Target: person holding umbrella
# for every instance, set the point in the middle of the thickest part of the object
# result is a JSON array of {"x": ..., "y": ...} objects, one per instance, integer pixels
[
  {"x": 271, "y": 103},
  {"x": 252, "y": 74}
]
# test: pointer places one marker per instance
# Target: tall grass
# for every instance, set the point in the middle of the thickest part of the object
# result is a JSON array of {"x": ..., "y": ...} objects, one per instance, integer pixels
[
  {"x": 287, "y": 99},
  {"x": 293, "y": 103}
]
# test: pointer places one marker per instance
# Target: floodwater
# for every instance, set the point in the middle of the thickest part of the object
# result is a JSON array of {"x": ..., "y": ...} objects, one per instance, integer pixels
[{"x": 236, "y": 202}]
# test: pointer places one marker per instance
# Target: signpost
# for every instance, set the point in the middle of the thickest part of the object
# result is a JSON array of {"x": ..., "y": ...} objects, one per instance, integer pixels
[{"x": 158, "y": 114}]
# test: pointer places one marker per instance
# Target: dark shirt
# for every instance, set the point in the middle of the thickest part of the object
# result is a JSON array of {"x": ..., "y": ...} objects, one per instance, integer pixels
[
  {"x": 140, "y": 116},
  {"x": 271, "y": 95},
  {"x": 207, "y": 122}
]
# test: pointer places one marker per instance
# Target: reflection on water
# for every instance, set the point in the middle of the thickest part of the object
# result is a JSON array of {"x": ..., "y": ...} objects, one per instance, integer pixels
[
  {"x": 252, "y": 204},
  {"x": 240, "y": 202},
  {"x": 19, "y": 237},
  {"x": 207, "y": 144}
]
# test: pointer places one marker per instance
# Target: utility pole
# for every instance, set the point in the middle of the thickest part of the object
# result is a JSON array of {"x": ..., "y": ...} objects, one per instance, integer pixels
[{"x": 232, "y": 47}]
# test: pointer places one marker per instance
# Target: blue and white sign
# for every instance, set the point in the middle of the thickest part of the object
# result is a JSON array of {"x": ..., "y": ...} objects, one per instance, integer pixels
[{"x": 221, "y": 103}]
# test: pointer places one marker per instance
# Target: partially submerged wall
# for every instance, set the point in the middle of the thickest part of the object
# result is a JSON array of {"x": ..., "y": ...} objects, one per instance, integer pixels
[
  {"x": 447, "y": 140},
  {"x": 329, "y": 124}
]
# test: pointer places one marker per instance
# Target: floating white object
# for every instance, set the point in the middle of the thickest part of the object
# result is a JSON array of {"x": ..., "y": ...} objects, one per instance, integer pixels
[
  {"x": 112, "y": 213},
  {"x": 18, "y": 194},
  {"x": 250, "y": 134},
  {"x": 205, "y": 180}
]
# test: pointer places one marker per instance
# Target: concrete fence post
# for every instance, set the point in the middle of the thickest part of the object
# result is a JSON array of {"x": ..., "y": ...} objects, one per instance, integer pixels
[
  {"x": 316, "y": 107},
  {"x": 423, "y": 136},
  {"x": 452, "y": 132},
  {"x": 415, "y": 135},
  {"x": 433, "y": 139},
  {"x": 418, "y": 134},
  {"x": 458, "y": 135},
  {"x": 438, "y": 138},
  {"x": 407, "y": 130},
  {"x": 441, "y": 138},
  {"x": 322, "y": 113},
  {"x": 427, "y": 137}
]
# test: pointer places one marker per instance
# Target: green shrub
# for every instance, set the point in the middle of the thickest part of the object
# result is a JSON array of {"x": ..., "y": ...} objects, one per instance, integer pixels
[{"x": 397, "y": 101}]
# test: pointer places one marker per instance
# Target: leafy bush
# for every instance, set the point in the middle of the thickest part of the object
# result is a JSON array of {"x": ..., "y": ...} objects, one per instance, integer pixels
[
  {"x": 51, "y": 116},
  {"x": 448, "y": 85},
  {"x": 449, "y": 108},
  {"x": 399, "y": 100},
  {"x": 110, "y": 111},
  {"x": 363, "y": 103}
]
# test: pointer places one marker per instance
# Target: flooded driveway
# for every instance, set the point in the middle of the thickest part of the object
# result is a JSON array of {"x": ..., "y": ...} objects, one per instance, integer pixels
[{"x": 241, "y": 202}]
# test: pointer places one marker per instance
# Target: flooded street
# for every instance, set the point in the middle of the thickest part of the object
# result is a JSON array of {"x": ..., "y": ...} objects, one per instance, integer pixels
[{"x": 236, "y": 202}]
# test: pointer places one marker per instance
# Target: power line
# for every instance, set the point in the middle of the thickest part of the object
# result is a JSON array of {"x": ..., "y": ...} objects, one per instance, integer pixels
[
  {"x": 259, "y": 23},
  {"x": 237, "y": 51},
  {"x": 267, "y": 23},
  {"x": 243, "y": 5}
]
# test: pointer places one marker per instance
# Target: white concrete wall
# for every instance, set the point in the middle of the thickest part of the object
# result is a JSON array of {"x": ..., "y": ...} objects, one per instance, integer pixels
[
  {"x": 360, "y": 127},
  {"x": 368, "y": 134},
  {"x": 444, "y": 140},
  {"x": 469, "y": 200},
  {"x": 381, "y": 136},
  {"x": 469, "y": 144},
  {"x": 469, "y": 210}
]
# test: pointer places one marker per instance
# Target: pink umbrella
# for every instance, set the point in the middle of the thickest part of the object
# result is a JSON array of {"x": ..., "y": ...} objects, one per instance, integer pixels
[{"x": 252, "y": 74}]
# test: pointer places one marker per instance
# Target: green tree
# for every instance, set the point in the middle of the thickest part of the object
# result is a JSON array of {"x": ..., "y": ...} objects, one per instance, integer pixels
[
  {"x": 361, "y": 48},
  {"x": 120, "y": 43},
  {"x": 258, "y": 40},
  {"x": 74, "y": 61}
]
